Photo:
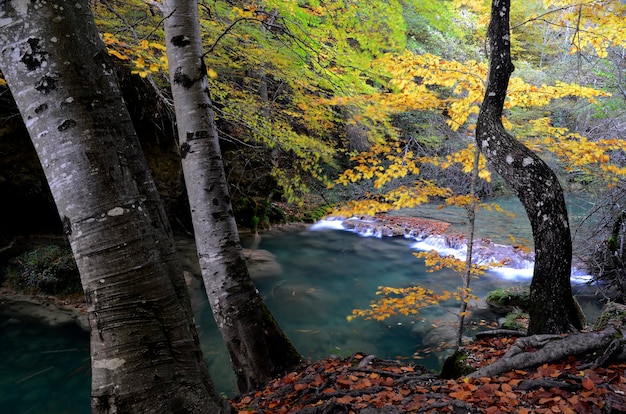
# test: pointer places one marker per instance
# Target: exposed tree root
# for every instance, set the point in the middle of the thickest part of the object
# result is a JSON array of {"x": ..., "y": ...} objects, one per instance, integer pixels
[
  {"x": 500, "y": 332},
  {"x": 540, "y": 349}
]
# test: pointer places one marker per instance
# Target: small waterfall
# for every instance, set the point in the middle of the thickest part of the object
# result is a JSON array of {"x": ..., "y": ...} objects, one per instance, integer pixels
[{"x": 519, "y": 262}]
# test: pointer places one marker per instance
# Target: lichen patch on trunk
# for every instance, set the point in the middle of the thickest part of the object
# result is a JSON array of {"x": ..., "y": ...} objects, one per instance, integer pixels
[{"x": 110, "y": 364}]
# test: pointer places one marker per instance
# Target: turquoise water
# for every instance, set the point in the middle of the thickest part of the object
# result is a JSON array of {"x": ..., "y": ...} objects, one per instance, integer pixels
[
  {"x": 43, "y": 369},
  {"x": 323, "y": 276}
]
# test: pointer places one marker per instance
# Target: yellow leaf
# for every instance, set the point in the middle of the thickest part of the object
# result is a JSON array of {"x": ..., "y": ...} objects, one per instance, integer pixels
[
  {"x": 157, "y": 46},
  {"x": 140, "y": 62},
  {"x": 117, "y": 54}
]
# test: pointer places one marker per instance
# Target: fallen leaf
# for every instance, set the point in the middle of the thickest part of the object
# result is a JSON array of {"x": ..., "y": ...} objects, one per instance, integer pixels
[
  {"x": 566, "y": 409},
  {"x": 461, "y": 395},
  {"x": 366, "y": 383},
  {"x": 317, "y": 380},
  {"x": 289, "y": 378}
]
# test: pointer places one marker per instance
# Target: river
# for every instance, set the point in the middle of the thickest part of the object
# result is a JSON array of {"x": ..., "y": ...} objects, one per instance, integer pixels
[{"x": 320, "y": 276}]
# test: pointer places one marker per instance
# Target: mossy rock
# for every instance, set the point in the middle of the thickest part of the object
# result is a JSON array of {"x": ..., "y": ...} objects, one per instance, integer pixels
[
  {"x": 510, "y": 298},
  {"x": 612, "y": 314},
  {"x": 456, "y": 366}
]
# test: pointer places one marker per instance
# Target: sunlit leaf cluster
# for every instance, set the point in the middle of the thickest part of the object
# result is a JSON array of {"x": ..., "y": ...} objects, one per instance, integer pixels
[
  {"x": 434, "y": 262},
  {"x": 465, "y": 158},
  {"x": 382, "y": 164},
  {"x": 407, "y": 196},
  {"x": 132, "y": 34},
  {"x": 589, "y": 26},
  {"x": 406, "y": 301},
  {"x": 523, "y": 95},
  {"x": 579, "y": 153},
  {"x": 598, "y": 25},
  {"x": 400, "y": 301}
]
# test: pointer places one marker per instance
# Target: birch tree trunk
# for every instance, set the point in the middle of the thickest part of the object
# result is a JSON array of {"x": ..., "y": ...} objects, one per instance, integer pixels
[
  {"x": 552, "y": 309},
  {"x": 145, "y": 354},
  {"x": 258, "y": 348}
]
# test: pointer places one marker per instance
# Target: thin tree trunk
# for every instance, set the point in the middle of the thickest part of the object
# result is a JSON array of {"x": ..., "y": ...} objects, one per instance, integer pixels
[
  {"x": 553, "y": 309},
  {"x": 145, "y": 353},
  {"x": 471, "y": 227},
  {"x": 258, "y": 348}
]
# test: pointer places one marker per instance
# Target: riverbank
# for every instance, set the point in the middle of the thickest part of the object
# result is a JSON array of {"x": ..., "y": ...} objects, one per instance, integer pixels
[
  {"x": 58, "y": 310},
  {"x": 50, "y": 310}
]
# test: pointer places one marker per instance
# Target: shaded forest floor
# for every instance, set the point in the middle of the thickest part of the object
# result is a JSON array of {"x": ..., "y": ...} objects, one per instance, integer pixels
[{"x": 364, "y": 384}]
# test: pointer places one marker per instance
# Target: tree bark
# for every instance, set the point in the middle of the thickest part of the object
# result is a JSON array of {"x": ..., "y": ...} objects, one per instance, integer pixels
[
  {"x": 258, "y": 348},
  {"x": 145, "y": 353},
  {"x": 553, "y": 309}
]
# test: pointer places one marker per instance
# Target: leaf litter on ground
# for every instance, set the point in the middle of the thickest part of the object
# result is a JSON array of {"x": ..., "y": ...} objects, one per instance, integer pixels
[{"x": 365, "y": 384}]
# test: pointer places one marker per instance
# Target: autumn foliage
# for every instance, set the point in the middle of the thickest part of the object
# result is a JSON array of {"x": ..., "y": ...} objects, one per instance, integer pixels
[
  {"x": 401, "y": 301},
  {"x": 325, "y": 73}
]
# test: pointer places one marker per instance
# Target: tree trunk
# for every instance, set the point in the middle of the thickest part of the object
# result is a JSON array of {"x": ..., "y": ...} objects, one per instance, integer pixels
[
  {"x": 471, "y": 228},
  {"x": 553, "y": 309},
  {"x": 145, "y": 353},
  {"x": 258, "y": 348}
]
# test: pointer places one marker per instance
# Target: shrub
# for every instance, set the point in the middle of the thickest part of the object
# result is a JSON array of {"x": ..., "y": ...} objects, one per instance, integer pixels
[
  {"x": 315, "y": 214},
  {"x": 516, "y": 320},
  {"x": 48, "y": 269}
]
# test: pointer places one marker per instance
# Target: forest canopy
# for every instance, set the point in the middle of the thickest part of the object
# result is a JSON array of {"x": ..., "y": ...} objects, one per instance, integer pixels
[{"x": 310, "y": 89}]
